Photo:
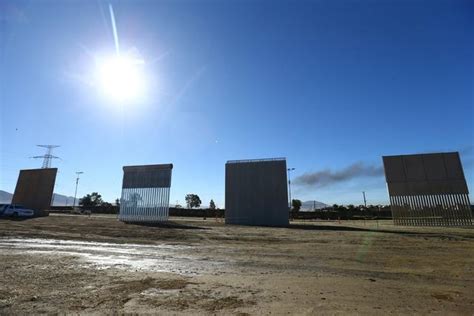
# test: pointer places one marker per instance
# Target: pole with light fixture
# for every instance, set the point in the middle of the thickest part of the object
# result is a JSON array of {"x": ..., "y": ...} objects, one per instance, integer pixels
[
  {"x": 75, "y": 193},
  {"x": 289, "y": 184}
]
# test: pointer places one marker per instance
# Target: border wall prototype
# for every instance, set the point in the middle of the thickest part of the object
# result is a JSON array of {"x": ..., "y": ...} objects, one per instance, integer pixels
[
  {"x": 34, "y": 189},
  {"x": 428, "y": 190},
  {"x": 256, "y": 192},
  {"x": 145, "y": 193}
]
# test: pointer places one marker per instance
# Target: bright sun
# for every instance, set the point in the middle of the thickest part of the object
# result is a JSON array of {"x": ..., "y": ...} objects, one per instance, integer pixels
[{"x": 121, "y": 78}]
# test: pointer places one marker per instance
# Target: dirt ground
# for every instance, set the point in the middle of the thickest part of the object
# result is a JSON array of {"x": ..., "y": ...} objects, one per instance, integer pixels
[{"x": 81, "y": 265}]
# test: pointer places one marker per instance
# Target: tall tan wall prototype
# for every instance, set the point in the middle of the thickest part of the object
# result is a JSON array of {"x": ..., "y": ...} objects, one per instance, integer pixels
[{"x": 34, "y": 188}]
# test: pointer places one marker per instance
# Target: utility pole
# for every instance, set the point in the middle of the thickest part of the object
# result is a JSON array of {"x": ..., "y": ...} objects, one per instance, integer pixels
[
  {"x": 75, "y": 193},
  {"x": 365, "y": 201},
  {"x": 289, "y": 184},
  {"x": 48, "y": 156}
]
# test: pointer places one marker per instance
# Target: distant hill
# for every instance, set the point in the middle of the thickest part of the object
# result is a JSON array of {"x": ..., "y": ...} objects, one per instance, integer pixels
[
  {"x": 310, "y": 205},
  {"x": 5, "y": 197},
  {"x": 61, "y": 200},
  {"x": 58, "y": 199}
]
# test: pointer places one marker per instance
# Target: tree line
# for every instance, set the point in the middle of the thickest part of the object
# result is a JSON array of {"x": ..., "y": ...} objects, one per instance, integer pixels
[
  {"x": 96, "y": 204},
  {"x": 343, "y": 212}
]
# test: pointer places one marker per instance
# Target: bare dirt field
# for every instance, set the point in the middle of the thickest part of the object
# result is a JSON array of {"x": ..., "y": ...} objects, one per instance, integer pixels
[{"x": 81, "y": 265}]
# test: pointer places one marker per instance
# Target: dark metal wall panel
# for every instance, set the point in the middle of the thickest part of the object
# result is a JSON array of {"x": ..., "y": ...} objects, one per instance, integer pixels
[
  {"x": 149, "y": 176},
  {"x": 434, "y": 167},
  {"x": 414, "y": 170},
  {"x": 394, "y": 169},
  {"x": 453, "y": 165},
  {"x": 145, "y": 193},
  {"x": 34, "y": 188},
  {"x": 425, "y": 174},
  {"x": 428, "y": 190},
  {"x": 256, "y": 192}
]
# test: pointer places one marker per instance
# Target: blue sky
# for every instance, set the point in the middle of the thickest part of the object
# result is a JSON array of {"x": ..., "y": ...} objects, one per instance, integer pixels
[{"x": 325, "y": 84}]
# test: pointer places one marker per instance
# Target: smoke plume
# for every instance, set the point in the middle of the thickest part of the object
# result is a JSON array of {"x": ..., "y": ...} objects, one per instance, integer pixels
[{"x": 329, "y": 177}]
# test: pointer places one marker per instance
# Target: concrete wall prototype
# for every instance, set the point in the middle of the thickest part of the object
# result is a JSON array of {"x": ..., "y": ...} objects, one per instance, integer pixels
[
  {"x": 256, "y": 192},
  {"x": 34, "y": 189},
  {"x": 428, "y": 190},
  {"x": 145, "y": 193}
]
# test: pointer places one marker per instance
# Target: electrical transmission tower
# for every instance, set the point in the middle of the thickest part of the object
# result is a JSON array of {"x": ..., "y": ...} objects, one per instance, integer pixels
[{"x": 48, "y": 156}]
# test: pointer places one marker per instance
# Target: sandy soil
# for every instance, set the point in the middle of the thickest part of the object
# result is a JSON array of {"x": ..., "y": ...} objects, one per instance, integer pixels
[{"x": 97, "y": 265}]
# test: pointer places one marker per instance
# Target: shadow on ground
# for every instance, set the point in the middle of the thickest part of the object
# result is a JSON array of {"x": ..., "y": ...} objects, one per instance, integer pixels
[
  {"x": 374, "y": 230},
  {"x": 172, "y": 225},
  {"x": 329, "y": 227},
  {"x": 15, "y": 219}
]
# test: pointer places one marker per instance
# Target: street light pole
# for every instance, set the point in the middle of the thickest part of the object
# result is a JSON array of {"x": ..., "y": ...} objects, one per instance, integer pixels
[
  {"x": 289, "y": 184},
  {"x": 75, "y": 193}
]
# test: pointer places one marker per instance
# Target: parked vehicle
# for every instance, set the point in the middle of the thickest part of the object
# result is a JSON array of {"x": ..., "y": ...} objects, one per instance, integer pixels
[{"x": 15, "y": 210}]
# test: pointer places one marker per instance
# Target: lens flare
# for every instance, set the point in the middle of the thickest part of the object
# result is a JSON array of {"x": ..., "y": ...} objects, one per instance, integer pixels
[{"x": 121, "y": 78}]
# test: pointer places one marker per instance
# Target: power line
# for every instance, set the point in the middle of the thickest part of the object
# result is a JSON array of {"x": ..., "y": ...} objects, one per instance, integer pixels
[{"x": 48, "y": 156}]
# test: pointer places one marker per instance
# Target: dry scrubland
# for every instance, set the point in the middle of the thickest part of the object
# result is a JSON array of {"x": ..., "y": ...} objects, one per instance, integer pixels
[{"x": 76, "y": 264}]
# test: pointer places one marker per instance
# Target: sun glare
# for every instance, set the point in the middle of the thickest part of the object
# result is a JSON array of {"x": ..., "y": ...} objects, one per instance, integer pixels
[{"x": 121, "y": 78}]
